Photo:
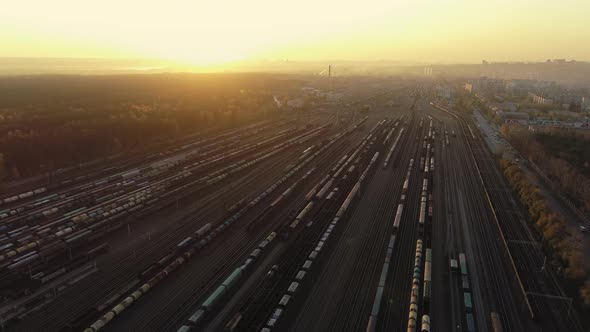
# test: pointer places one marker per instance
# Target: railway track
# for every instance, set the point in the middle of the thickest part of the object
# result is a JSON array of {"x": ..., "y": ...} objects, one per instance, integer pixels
[
  {"x": 394, "y": 311},
  {"x": 520, "y": 248},
  {"x": 123, "y": 268},
  {"x": 250, "y": 242},
  {"x": 346, "y": 232},
  {"x": 340, "y": 296},
  {"x": 146, "y": 258},
  {"x": 254, "y": 313}
]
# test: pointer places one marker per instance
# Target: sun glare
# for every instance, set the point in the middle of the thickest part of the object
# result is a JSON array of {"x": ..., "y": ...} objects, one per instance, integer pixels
[{"x": 211, "y": 33}]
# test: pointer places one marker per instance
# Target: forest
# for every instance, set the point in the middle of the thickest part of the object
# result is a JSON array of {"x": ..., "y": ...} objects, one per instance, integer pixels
[
  {"x": 52, "y": 121},
  {"x": 561, "y": 155},
  {"x": 565, "y": 256},
  {"x": 569, "y": 145}
]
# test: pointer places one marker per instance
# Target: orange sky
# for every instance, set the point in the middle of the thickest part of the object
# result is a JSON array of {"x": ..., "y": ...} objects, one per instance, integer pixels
[{"x": 207, "y": 32}]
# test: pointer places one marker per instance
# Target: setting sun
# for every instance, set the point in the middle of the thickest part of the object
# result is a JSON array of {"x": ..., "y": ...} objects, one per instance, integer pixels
[{"x": 295, "y": 165}]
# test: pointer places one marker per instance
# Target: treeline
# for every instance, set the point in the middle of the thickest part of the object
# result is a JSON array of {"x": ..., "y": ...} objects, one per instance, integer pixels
[
  {"x": 28, "y": 152},
  {"x": 566, "y": 257},
  {"x": 562, "y": 160},
  {"x": 570, "y": 145},
  {"x": 50, "y": 122}
]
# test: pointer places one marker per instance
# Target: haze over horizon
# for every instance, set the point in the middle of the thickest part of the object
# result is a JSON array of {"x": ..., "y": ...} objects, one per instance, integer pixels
[
  {"x": 213, "y": 33},
  {"x": 298, "y": 165}
]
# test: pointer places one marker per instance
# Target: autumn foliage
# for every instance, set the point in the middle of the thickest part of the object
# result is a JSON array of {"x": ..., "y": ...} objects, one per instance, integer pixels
[
  {"x": 564, "y": 157},
  {"x": 554, "y": 229}
]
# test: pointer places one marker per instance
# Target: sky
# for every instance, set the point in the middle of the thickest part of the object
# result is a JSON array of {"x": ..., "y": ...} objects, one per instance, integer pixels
[{"x": 204, "y": 32}]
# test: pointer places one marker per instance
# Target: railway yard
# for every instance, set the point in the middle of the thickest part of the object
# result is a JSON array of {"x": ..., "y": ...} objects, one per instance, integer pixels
[{"x": 395, "y": 220}]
